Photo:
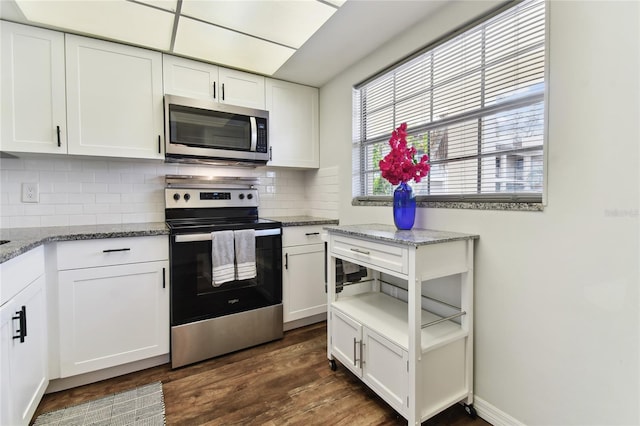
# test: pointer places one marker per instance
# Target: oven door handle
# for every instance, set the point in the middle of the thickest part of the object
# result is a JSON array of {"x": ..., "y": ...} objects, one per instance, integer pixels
[{"x": 189, "y": 238}]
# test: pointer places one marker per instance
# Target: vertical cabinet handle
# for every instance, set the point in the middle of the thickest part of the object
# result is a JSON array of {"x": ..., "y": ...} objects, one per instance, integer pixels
[
  {"x": 22, "y": 318},
  {"x": 223, "y": 91},
  {"x": 164, "y": 280},
  {"x": 270, "y": 153},
  {"x": 354, "y": 352},
  {"x": 159, "y": 145},
  {"x": 58, "y": 132},
  {"x": 286, "y": 261},
  {"x": 214, "y": 90}
]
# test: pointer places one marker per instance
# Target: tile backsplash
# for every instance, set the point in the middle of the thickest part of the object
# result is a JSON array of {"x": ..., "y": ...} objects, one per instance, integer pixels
[{"x": 86, "y": 191}]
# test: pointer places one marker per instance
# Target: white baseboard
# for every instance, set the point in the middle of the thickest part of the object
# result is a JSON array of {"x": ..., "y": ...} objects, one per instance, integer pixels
[{"x": 493, "y": 415}]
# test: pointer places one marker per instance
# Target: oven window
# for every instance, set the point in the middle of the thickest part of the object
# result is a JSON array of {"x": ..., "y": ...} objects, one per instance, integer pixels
[
  {"x": 193, "y": 296},
  {"x": 209, "y": 129}
]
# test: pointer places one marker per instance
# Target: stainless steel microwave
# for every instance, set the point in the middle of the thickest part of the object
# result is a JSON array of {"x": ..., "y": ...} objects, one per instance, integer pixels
[{"x": 201, "y": 131}]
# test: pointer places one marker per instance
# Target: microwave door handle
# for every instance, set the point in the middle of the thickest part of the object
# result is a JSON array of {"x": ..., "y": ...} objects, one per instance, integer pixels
[{"x": 254, "y": 134}]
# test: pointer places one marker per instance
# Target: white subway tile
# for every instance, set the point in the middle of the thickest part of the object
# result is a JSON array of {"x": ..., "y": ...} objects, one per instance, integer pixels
[
  {"x": 39, "y": 164},
  {"x": 109, "y": 218},
  {"x": 107, "y": 177},
  {"x": 66, "y": 209},
  {"x": 107, "y": 198},
  {"x": 54, "y": 177},
  {"x": 58, "y": 220},
  {"x": 94, "y": 188},
  {"x": 39, "y": 210},
  {"x": 23, "y": 221},
  {"x": 94, "y": 165},
  {"x": 68, "y": 187},
  {"x": 81, "y": 177},
  {"x": 52, "y": 198},
  {"x": 82, "y": 220},
  {"x": 120, "y": 188},
  {"x": 95, "y": 208},
  {"x": 11, "y": 164},
  {"x": 132, "y": 177},
  {"x": 82, "y": 198}
]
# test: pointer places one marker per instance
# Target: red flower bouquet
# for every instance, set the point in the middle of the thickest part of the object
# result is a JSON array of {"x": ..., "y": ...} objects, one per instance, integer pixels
[{"x": 400, "y": 165}]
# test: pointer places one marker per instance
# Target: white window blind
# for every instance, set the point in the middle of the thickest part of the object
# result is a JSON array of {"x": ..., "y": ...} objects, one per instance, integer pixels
[{"x": 474, "y": 103}]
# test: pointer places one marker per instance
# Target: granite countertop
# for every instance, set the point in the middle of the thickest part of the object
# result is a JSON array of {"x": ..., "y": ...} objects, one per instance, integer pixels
[
  {"x": 389, "y": 233},
  {"x": 22, "y": 240},
  {"x": 303, "y": 220}
]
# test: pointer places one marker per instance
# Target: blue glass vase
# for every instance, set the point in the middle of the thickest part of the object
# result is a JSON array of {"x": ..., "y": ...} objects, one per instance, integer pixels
[{"x": 404, "y": 206}]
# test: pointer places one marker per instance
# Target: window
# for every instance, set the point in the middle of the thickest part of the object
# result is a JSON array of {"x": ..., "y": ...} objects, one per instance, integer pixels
[{"x": 474, "y": 103}]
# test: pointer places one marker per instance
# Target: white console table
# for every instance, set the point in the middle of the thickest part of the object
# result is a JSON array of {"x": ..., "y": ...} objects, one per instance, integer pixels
[{"x": 419, "y": 362}]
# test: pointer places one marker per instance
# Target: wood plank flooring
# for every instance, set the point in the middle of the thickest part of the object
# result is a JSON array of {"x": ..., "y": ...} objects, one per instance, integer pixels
[{"x": 286, "y": 382}]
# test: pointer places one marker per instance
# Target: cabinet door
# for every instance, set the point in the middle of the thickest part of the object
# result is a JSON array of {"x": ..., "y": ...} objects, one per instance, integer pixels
[
  {"x": 112, "y": 315},
  {"x": 346, "y": 341},
  {"x": 293, "y": 124},
  {"x": 193, "y": 79},
  {"x": 303, "y": 281},
  {"x": 33, "y": 90},
  {"x": 241, "y": 88},
  {"x": 386, "y": 369},
  {"x": 24, "y": 363},
  {"x": 114, "y": 99}
]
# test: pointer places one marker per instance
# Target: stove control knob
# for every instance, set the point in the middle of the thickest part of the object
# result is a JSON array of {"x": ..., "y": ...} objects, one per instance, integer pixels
[
  {"x": 187, "y": 197},
  {"x": 249, "y": 196},
  {"x": 241, "y": 196},
  {"x": 176, "y": 196}
]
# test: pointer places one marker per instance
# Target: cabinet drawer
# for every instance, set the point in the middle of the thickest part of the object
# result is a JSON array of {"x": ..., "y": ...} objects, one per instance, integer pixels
[
  {"x": 19, "y": 272},
  {"x": 301, "y": 235},
  {"x": 111, "y": 251},
  {"x": 367, "y": 253}
]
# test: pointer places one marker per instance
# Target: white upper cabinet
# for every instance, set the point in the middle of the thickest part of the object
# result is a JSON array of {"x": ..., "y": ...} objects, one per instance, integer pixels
[
  {"x": 33, "y": 115},
  {"x": 193, "y": 79},
  {"x": 114, "y": 99},
  {"x": 293, "y": 124},
  {"x": 241, "y": 88}
]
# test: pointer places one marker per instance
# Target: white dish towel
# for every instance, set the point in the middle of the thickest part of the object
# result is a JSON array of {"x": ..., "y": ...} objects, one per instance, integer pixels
[
  {"x": 222, "y": 256},
  {"x": 245, "y": 254}
]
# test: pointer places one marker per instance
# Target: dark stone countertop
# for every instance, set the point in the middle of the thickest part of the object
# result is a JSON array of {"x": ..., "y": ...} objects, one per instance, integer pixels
[
  {"x": 303, "y": 220},
  {"x": 389, "y": 233},
  {"x": 22, "y": 240}
]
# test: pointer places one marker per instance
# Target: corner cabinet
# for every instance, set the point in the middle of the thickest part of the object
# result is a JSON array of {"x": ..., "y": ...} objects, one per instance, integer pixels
[
  {"x": 303, "y": 272},
  {"x": 114, "y": 99},
  {"x": 113, "y": 302},
  {"x": 194, "y": 79},
  {"x": 34, "y": 116},
  {"x": 23, "y": 337},
  {"x": 415, "y": 350},
  {"x": 293, "y": 124}
]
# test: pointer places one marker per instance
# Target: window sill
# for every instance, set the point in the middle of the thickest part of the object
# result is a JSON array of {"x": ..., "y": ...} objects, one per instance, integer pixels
[{"x": 471, "y": 205}]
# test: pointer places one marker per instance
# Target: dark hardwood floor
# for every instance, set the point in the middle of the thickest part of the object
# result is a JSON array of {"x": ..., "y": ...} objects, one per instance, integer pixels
[{"x": 286, "y": 382}]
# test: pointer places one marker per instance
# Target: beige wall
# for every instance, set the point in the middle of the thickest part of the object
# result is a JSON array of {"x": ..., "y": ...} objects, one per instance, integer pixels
[{"x": 557, "y": 299}]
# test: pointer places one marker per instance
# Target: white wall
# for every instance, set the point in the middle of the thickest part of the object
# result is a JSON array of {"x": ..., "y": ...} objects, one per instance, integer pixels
[
  {"x": 557, "y": 300},
  {"x": 89, "y": 191}
]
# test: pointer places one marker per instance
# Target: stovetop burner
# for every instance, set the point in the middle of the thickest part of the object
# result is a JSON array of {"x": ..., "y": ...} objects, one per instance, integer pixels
[{"x": 200, "y": 206}]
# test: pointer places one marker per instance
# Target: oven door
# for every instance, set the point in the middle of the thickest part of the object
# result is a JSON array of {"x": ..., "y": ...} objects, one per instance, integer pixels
[{"x": 193, "y": 296}]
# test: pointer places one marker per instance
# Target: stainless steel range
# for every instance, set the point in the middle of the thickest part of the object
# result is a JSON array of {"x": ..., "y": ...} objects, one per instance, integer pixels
[{"x": 226, "y": 268}]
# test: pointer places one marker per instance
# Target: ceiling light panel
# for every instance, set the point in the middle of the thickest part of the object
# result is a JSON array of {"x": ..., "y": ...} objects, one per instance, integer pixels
[
  {"x": 214, "y": 44},
  {"x": 170, "y": 5},
  {"x": 287, "y": 22},
  {"x": 111, "y": 19}
]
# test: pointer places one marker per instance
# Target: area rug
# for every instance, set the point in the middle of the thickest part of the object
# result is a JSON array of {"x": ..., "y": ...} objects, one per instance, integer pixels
[{"x": 140, "y": 406}]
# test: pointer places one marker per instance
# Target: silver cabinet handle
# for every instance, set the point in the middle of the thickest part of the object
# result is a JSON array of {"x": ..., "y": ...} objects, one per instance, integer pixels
[
  {"x": 354, "y": 353},
  {"x": 360, "y": 251}
]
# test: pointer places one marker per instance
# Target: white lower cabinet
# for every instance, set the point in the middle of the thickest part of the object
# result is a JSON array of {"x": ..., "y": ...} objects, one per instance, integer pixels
[
  {"x": 116, "y": 314},
  {"x": 303, "y": 284},
  {"x": 381, "y": 364},
  {"x": 23, "y": 336}
]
